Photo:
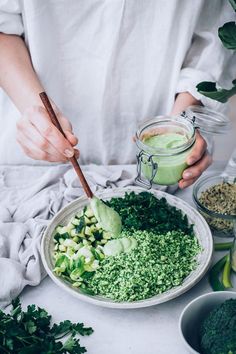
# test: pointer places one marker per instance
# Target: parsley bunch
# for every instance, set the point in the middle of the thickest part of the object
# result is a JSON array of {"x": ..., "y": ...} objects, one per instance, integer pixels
[{"x": 30, "y": 332}]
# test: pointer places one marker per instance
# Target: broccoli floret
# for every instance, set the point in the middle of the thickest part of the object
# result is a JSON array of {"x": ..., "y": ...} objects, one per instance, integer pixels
[{"x": 218, "y": 330}]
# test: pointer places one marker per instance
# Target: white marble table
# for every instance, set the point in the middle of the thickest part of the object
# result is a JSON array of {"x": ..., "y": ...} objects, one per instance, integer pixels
[{"x": 151, "y": 330}]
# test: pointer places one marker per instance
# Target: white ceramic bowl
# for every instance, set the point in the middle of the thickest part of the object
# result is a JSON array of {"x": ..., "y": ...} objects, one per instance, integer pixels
[
  {"x": 201, "y": 229},
  {"x": 195, "y": 312}
]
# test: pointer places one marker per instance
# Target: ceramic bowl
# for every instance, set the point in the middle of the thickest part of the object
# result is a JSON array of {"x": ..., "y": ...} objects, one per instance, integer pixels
[
  {"x": 201, "y": 229},
  {"x": 221, "y": 225},
  {"x": 195, "y": 313}
]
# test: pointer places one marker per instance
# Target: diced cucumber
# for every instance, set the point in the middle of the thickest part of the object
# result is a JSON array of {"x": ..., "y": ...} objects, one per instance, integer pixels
[
  {"x": 69, "y": 243},
  {"x": 74, "y": 233},
  {"x": 89, "y": 213},
  {"x": 98, "y": 226},
  {"x": 87, "y": 220},
  {"x": 61, "y": 230},
  {"x": 93, "y": 220},
  {"x": 106, "y": 235},
  {"x": 70, "y": 227},
  {"x": 75, "y": 221},
  {"x": 93, "y": 228},
  {"x": 76, "y": 284},
  {"x": 79, "y": 214},
  {"x": 87, "y": 231},
  {"x": 62, "y": 248},
  {"x": 81, "y": 234}
]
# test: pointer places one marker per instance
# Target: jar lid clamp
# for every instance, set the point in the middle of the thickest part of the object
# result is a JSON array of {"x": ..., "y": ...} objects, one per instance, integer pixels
[
  {"x": 154, "y": 166},
  {"x": 207, "y": 120}
]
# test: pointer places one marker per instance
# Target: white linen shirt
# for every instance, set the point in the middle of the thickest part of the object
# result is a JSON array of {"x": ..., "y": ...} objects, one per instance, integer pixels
[{"x": 110, "y": 64}]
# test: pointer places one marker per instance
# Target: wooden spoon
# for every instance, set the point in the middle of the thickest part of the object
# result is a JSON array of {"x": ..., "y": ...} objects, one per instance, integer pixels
[{"x": 107, "y": 217}]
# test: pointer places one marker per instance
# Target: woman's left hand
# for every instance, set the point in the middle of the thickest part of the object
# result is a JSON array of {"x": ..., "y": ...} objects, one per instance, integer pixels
[{"x": 198, "y": 162}]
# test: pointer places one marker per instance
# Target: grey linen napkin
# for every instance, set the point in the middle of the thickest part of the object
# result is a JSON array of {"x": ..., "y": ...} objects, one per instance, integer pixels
[{"x": 29, "y": 197}]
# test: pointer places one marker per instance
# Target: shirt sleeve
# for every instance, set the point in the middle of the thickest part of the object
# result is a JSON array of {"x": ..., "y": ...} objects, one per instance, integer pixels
[
  {"x": 207, "y": 59},
  {"x": 11, "y": 17}
]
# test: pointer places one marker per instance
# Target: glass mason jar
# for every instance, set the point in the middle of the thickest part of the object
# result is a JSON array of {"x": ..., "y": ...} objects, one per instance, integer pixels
[{"x": 163, "y": 163}]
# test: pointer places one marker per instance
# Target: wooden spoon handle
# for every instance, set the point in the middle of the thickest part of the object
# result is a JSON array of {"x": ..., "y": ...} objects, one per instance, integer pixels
[{"x": 74, "y": 162}]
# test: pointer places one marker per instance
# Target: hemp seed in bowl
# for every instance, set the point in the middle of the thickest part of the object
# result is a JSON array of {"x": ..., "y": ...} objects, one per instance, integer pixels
[{"x": 215, "y": 198}]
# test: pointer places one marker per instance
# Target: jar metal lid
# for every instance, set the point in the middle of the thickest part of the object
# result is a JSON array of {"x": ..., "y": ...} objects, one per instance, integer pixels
[{"x": 208, "y": 120}]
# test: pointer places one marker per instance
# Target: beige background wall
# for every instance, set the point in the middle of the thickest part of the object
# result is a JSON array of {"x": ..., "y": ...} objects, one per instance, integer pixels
[{"x": 225, "y": 144}]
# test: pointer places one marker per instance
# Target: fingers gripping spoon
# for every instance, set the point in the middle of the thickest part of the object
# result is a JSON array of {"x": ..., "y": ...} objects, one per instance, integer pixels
[{"x": 107, "y": 217}]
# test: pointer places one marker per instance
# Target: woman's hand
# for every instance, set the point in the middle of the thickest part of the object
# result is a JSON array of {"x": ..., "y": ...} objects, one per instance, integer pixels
[
  {"x": 41, "y": 140},
  {"x": 198, "y": 161}
]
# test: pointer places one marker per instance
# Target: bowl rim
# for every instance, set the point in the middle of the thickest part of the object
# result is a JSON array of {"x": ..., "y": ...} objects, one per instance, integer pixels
[
  {"x": 102, "y": 301},
  {"x": 201, "y": 182},
  {"x": 196, "y": 299}
]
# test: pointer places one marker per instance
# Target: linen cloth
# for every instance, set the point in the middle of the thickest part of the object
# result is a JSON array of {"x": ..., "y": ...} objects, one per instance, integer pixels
[
  {"x": 29, "y": 197},
  {"x": 110, "y": 64}
]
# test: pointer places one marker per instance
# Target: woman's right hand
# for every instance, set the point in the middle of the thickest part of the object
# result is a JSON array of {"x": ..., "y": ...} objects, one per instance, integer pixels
[{"x": 41, "y": 140}]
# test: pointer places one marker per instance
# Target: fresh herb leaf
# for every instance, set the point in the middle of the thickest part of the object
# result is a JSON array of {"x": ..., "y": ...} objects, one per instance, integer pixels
[
  {"x": 209, "y": 89},
  {"x": 16, "y": 308},
  {"x": 71, "y": 346},
  {"x": 30, "y": 332},
  {"x": 227, "y": 34}
]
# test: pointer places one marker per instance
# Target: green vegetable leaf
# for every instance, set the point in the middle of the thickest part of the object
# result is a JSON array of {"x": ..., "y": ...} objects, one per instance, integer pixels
[
  {"x": 144, "y": 211},
  {"x": 59, "y": 330},
  {"x": 30, "y": 332},
  {"x": 16, "y": 307},
  {"x": 30, "y": 327},
  {"x": 227, "y": 34},
  {"x": 209, "y": 89},
  {"x": 72, "y": 346},
  {"x": 233, "y": 4},
  {"x": 83, "y": 331}
]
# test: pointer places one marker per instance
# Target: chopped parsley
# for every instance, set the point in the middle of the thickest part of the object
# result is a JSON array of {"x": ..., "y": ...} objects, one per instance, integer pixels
[{"x": 144, "y": 211}]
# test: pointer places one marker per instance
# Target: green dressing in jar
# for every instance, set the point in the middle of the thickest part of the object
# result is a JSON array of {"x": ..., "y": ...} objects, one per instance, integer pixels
[{"x": 165, "y": 143}]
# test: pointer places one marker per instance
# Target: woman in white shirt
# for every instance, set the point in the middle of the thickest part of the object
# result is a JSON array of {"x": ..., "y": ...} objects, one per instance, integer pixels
[{"x": 107, "y": 65}]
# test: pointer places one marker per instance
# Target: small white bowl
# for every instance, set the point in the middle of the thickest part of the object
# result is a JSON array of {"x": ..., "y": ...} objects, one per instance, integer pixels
[{"x": 194, "y": 314}]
